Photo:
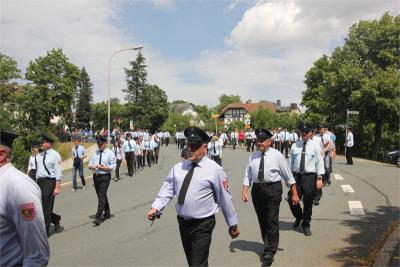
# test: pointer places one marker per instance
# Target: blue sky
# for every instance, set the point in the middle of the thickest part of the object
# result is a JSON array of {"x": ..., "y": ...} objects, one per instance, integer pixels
[{"x": 195, "y": 50}]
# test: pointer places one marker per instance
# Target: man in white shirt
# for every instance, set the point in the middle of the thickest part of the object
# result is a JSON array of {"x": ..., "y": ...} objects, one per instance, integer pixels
[{"x": 349, "y": 146}]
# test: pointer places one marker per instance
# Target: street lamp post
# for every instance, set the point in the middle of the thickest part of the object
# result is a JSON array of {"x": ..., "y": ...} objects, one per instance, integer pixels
[{"x": 108, "y": 88}]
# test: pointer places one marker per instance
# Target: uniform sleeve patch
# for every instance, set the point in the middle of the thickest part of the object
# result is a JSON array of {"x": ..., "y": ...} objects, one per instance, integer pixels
[
  {"x": 225, "y": 184},
  {"x": 28, "y": 211}
]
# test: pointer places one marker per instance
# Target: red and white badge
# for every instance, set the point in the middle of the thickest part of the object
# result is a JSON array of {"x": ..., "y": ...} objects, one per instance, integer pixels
[
  {"x": 28, "y": 211},
  {"x": 225, "y": 184}
]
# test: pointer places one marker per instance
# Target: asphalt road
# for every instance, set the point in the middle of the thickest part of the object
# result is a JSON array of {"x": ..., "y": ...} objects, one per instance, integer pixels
[{"x": 339, "y": 237}]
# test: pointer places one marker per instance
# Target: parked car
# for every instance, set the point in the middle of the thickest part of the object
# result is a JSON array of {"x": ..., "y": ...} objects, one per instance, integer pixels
[{"x": 394, "y": 157}]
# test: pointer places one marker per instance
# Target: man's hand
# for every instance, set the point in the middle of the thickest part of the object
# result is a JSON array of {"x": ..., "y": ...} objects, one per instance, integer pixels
[
  {"x": 295, "y": 199},
  {"x": 245, "y": 190},
  {"x": 234, "y": 232},
  {"x": 320, "y": 184},
  {"x": 151, "y": 214},
  {"x": 57, "y": 190}
]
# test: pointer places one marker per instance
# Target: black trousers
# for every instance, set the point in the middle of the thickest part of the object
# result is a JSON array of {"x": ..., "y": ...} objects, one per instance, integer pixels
[
  {"x": 349, "y": 155},
  {"x": 217, "y": 159},
  {"x": 196, "y": 239},
  {"x": 248, "y": 144},
  {"x": 47, "y": 186},
  {"x": 101, "y": 183},
  {"x": 266, "y": 201},
  {"x": 149, "y": 155},
  {"x": 286, "y": 147},
  {"x": 305, "y": 185},
  {"x": 166, "y": 141},
  {"x": 119, "y": 161},
  {"x": 277, "y": 145},
  {"x": 129, "y": 162},
  {"x": 32, "y": 174},
  {"x": 139, "y": 161}
]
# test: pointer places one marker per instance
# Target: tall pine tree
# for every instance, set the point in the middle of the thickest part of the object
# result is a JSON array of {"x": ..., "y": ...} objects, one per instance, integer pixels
[
  {"x": 84, "y": 99},
  {"x": 136, "y": 79}
]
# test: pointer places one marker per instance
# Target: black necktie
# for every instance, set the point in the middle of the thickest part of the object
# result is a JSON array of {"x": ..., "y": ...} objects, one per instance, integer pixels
[
  {"x": 35, "y": 163},
  {"x": 130, "y": 146},
  {"x": 185, "y": 184},
  {"x": 261, "y": 168},
  {"x": 44, "y": 163},
  {"x": 101, "y": 152},
  {"x": 215, "y": 151},
  {"x": 303, "y": 158}
]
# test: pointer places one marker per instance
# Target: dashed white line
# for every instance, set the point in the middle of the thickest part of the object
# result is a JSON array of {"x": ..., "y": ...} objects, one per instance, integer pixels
[
  {"x": 356, "y": 208},
  {"x": 338, "y": 176},
  {"x": 347, "y": 188}
]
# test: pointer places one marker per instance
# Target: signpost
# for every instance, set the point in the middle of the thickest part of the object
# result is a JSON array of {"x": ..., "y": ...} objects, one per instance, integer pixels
[
  {"x": 215, "y": 117},
  {"x": 247, "y": 120}
]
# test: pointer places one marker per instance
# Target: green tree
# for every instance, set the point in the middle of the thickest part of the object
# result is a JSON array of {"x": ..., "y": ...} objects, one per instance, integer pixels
[
  {"x": 362, "y": 75},
  {"x": 176, "y": 122},
  {"x": 136, "y": 79},
  {"x": 225, "y": 100},
  {"x": 8, "y": 71},
  {"x": 55, "y": 79},
  {"x": 84, "y": 100}
]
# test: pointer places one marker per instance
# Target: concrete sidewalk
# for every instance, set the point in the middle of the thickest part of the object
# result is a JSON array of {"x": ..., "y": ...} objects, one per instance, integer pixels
[{"x": 67, "y": 164}]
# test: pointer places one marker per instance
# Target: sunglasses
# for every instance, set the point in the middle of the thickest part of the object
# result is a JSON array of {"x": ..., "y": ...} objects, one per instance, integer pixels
[{"x": 194, "y": 146}]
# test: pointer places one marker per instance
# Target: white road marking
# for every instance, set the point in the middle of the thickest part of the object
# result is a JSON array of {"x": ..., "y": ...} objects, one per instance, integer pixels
[
  {"x": 347, "y": 188},
  {"x": 356, "y": 208},
  {"x": 338, "y": 176}
]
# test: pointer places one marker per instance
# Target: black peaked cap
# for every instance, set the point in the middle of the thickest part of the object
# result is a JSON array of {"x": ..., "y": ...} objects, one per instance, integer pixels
[
  {"x": 7, "y": 138},
  {"x": 263, "y": 133},
  {"x": 46, "y": 138},
  {"x": 196, "y": 135},
  {"x": 305, "y": 127},
  {"x": 101, "y": 140}
]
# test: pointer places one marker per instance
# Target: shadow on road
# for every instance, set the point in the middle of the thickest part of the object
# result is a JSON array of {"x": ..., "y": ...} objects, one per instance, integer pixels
[
  {"x": 368, "y": 236},
  {"x": 244, "y": 245}
]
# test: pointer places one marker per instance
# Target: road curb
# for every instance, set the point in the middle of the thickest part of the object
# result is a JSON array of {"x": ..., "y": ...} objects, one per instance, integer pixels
[{"x": 388, "y": 248}]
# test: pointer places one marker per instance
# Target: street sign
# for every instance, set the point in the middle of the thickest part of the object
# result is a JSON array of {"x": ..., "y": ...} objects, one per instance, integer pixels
[
  {"x": 215, "y": 116},
  {"x": 354, "y": 112}
]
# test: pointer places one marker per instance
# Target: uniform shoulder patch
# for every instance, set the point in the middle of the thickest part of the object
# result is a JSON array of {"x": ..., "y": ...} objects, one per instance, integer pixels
[
  {"x": 225, "y": 184},
  {"x": 28, "y": 211}
]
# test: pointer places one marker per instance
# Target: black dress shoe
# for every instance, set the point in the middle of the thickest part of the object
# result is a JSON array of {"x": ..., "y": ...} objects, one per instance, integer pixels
[
  {"x": 57, "y": 226},
  {"x": 268, "y": 259},
  {"x": 316, "y": 202},
  {"x": 306, "y": 230},
  {"x": 296, "y": 223},
  {"x": 96, "y": 222}
]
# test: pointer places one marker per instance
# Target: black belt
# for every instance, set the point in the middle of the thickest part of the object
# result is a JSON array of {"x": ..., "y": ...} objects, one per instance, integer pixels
[
  {"x": 306, "y": 173},
  {"x": 267, "y": 184},
  {"x": 194, "y": 220},
  {"x": 46, "y": 178},
  {"x": 101, "y": 174}
]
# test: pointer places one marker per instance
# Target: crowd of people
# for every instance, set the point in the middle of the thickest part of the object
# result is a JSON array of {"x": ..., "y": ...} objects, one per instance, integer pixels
[{"x": 302, "y": 158}]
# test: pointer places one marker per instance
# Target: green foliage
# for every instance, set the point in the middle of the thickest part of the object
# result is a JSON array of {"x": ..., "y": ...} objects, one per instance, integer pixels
[
  {"x": 84, "y": 99},
  {"x": 236, "y": 125},
  {"x": 136, "y": 79},
  {"x": 8, "y": 69},
  {"x": 265, "y": 118},
  {"x": 55, "y": 80},
  {"x": 20, "y": 155},
  {"x": 362, "y": 75},
  {"x": 225, "y": 100},
  {"x": 176, "y": 122}
]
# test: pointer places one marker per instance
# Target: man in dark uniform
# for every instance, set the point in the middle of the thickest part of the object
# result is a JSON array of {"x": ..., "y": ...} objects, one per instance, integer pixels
[
  {"x": 305, "y": 161},
  {"x": 198, "y": 198},
  {"x": 48, "y": 177},
  {"x": 265, "y": 170}
]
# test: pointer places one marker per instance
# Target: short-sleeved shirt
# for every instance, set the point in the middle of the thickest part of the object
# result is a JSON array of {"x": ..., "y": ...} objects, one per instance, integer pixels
[
  {"x": 52, "y": 164},
  {"x": 23, "y": 237}
]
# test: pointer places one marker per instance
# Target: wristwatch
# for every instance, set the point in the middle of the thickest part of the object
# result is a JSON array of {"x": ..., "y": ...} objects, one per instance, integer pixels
[{"x": 233, "y": 227}]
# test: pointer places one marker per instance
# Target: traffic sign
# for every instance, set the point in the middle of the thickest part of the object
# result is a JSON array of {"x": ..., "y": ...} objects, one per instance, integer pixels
[{"x": 354, "y": 112}]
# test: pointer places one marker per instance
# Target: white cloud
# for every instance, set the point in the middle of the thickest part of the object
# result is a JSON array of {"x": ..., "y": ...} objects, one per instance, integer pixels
[
  {"x": 163, "y": 3},
  {"x": 267, "y": 54}
]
